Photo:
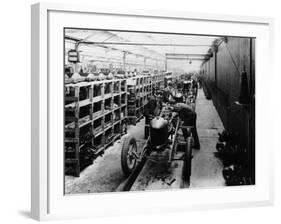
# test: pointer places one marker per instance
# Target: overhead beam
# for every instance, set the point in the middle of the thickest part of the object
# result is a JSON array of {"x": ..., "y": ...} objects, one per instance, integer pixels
[
  {"x": 125, "y": 40},
  {"x": 147, "y": 44},
  {"x": 76, "y": 40},
  {"x": 137, "y": 44},
  {"x": 185, "y": 55},
  {"x": 72, "y": 38},
  {"x": 171, "y": 58}
]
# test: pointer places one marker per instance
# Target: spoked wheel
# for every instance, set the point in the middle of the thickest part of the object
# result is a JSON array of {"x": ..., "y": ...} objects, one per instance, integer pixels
[
  {"x": 129, "y": 155},
  {"x": 187, "y": 163}
]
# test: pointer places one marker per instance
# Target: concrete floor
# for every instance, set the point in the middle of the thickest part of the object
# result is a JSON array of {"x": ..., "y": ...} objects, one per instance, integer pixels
[
  {"x": 105, "y": 174},
  {"x": 206, "y": 168}
]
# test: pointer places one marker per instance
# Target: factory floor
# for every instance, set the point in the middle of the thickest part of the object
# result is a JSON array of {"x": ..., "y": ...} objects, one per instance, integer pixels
[
  {"x": 105, "y": 174},
  {"x": 206, "y": 167}
]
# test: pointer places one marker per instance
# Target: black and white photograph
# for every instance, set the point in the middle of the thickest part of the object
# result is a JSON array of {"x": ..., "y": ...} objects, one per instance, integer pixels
[{"x": 146, "y": 111}]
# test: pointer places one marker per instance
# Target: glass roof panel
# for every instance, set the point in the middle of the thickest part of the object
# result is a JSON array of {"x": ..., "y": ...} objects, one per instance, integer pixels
[{"x": 112, "y": 45}]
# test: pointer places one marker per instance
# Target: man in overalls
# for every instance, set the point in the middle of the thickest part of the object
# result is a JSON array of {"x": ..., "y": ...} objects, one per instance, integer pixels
[
  {"x": 152, "y": 109},
  {"x": 188, "y": 116}
]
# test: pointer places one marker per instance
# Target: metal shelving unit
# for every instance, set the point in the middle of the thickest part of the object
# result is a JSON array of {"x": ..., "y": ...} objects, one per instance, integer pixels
[
  {"x": 140, "y": 88},
  {"x": 95, "y": 116}
]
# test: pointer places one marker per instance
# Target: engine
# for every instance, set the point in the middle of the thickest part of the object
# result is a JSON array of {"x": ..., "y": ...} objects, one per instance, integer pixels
[
  {"x": 186, "y": 85},
  {"x": 178, "y": 98},
  {"x": 159, "y": 131}
]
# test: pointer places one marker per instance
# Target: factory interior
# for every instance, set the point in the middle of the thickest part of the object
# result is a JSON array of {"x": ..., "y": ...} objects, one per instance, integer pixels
[{"x": 157, "y": 111}]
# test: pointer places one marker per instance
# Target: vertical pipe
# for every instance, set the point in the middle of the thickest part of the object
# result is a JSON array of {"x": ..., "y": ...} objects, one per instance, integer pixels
[
  {"x": 76, "y": 65},
  {"x": 124, "y": 60},
  {"x": 166, "y": 62},
  {"x": 77, "y": 131},
  {"x": 251, "y": 135},
  {"x": 251, "y": 70},
  {"x": 215, "y": 55}
]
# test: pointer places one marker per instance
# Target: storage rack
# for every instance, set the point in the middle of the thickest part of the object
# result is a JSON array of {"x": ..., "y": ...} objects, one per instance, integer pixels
[
  {"x": 140, "y": 88},
  {"x": 95, "y": 116}
]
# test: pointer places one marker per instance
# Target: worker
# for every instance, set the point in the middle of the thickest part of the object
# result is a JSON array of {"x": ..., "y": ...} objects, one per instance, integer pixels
[
  {"x": 169, "y": 86},
  {"x": 179, "y": 84},
  {"x": 199, "y": 80},
  {"x": 194, "y": 85},
  {"x": 152, "y": 109},
  {"x": 188, "y": 116},
  {"x": 169, "y": 92}
]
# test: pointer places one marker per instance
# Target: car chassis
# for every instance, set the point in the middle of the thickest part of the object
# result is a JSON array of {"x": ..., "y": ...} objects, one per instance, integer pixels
[{"x": 133, "y": 160}]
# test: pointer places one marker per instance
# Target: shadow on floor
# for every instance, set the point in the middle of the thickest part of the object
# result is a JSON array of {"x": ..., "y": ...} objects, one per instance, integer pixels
[{"x": 26, "y": 214}]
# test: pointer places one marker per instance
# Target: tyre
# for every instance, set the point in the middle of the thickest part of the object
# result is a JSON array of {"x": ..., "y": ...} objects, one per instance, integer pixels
[{"x": 128, "y": 155}]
